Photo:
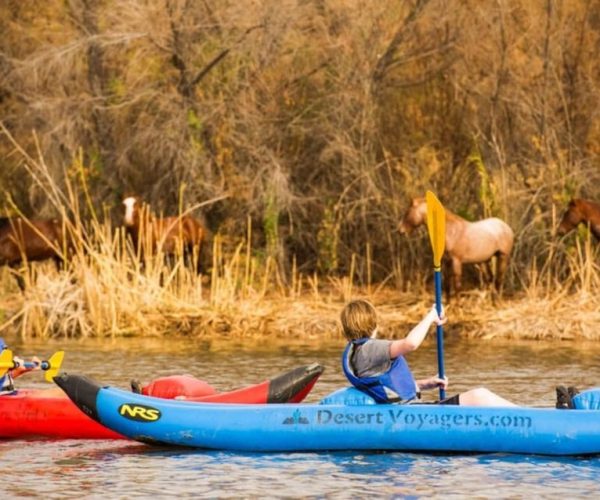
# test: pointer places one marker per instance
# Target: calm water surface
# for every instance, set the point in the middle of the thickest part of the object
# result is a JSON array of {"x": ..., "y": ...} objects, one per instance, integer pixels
[{"x": 523, "y": 372}]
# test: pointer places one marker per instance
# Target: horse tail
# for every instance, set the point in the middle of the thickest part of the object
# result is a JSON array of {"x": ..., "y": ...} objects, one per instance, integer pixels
[
  {"x": 505, "y": 236},
  {"x": 510, "y": 239}
]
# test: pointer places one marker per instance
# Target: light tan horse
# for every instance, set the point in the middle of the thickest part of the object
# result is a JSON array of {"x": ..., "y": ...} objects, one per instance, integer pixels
[{"x": 467, "y": 242}]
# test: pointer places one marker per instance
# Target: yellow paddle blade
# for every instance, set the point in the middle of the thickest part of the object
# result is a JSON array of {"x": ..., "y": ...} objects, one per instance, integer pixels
[
  {"x": 436, "y": 226},
  {"x": 55, "y": 362},
  {"x": 6, "y": 361}
]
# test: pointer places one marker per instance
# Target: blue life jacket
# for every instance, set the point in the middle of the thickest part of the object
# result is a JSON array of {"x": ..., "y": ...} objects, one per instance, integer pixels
[
  {"x": 396, "y": 384},
  {"x": 6, "y": 381}
]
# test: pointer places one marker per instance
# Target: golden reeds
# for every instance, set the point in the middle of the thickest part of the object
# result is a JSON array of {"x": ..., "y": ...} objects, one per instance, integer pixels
[{"x": 105, "y": 293}]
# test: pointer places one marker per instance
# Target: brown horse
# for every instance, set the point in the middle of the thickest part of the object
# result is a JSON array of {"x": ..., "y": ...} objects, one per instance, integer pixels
[
  {"x": 27, "y": 240},
  {"x": 467, "y": 242},
  {"x": 580, "y": 211},
  {"x": 171, "y": 236}
]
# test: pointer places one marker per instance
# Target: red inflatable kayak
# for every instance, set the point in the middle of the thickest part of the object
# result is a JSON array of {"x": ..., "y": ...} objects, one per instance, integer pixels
[{"x": 25, "y": 414}]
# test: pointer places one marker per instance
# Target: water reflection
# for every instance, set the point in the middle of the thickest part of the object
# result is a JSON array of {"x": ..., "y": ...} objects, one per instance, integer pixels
[{"x": 107, "y": 469}]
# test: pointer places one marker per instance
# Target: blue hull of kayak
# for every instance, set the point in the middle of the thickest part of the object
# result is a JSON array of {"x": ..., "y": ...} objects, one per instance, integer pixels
[{"x": 315, "y": 427}]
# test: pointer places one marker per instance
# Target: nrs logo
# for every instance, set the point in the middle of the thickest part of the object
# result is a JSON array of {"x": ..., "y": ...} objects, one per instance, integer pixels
[{"x": 139, "y": 413}]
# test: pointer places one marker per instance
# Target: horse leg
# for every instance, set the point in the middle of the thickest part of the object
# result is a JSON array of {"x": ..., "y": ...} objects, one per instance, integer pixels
[
  {"x": 447, "y": 268},
  {"x": 200, "y": 264},
  {"x": 188, "y": 257},
  {"x": 192, "y": 258},
  {"x": 483, "y": 272},
  {"x": 488, "y": 272},
  {"x": 61, "y": 266},
  {"x": 456, "y": 275},
  {"x": 18, "y": 276},
  {"x": 502, "y": 265},
  {"x": 169, "y": 263},
  {"x": 206, "y": 252},
  {"x": 60, "y": 263}
]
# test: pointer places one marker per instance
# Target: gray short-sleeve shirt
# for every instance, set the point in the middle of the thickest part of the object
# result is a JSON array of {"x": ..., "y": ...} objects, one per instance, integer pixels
[{"x": 371, "y": 358}]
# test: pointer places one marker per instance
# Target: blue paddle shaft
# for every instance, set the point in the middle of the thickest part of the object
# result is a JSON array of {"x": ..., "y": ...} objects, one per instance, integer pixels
[
  {"x": 437, "y": 275},
  {"x": 44, "y": 365}
]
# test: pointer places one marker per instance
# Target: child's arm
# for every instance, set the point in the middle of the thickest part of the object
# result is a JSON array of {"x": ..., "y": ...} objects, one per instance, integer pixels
[
  {"x": 433, "y": 383},
  {"x": 416, "y": 336}
]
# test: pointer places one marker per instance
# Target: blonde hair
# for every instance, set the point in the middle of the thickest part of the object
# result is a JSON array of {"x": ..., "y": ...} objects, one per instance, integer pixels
[{"x": 359, "y": 319}]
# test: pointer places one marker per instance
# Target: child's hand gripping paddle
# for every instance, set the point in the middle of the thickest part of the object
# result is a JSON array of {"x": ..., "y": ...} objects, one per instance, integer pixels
[
  {"x": 436, "y": 226},
  {"x": 51, "y": 366}
]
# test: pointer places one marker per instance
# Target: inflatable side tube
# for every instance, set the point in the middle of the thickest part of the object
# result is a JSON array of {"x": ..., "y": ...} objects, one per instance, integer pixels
[
  {"x": 329, "y": 427},
  {"x": 289, "y": 387},
  {"x": 588, "y": 400}
]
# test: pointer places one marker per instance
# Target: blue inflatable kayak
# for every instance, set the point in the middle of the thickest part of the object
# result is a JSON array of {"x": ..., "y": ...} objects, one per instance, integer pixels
[{"x": 346, "y": 420}]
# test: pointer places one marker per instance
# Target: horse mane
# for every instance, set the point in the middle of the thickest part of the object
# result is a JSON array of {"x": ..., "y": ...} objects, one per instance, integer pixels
[
  {"x": 452, "y": 216},
  {"x": 420, "y": 200}
]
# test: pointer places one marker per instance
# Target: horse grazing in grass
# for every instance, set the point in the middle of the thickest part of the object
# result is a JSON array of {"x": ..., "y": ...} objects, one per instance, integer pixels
[
  {"x": 172, "y": 236},
  {"x": 467, "y": 242},
  {"x": 27, "y": 240},
  {"x": 580, "y": 211}
]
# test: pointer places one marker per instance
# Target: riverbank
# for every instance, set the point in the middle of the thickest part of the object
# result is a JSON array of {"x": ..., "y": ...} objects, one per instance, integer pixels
[{"x": 57, "y": 306}]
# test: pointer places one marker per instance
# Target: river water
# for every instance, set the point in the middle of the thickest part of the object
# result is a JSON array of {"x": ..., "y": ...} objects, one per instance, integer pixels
[{"x": 523, "y": 372}]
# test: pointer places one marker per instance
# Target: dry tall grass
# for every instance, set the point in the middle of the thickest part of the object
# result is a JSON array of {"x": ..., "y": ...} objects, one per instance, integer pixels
[{"x": 105, "y": 293}]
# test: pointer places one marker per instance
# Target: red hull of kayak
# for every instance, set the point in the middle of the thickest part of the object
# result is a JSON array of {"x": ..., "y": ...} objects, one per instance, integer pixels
[
  {"x": 23, "y": 415},
  {"x": 26, "y": 415}
]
